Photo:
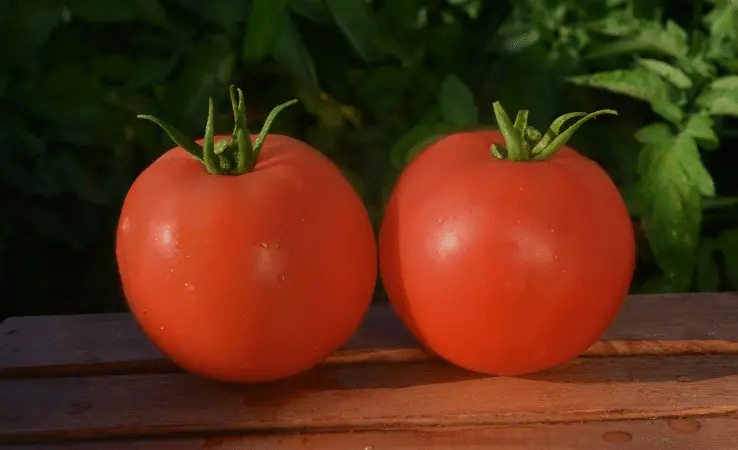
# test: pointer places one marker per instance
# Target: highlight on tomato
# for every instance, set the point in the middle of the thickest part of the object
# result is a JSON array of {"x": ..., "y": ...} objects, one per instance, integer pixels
[
  {"x": 506, "y": 252},
  {"x": 245, "y": 258}
]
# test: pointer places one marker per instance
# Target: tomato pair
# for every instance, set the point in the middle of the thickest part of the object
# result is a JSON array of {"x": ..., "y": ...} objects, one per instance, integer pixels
[{"x": 251, "y": 258}]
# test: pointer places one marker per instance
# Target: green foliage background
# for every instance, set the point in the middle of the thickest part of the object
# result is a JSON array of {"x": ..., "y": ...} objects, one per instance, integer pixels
[{"x": 376, "y": 80}]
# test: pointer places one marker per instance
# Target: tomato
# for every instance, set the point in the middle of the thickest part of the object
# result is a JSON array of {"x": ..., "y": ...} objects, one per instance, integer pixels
[
  {"x": 506, "y": 264},
  {"x": 250, "y": 274}
]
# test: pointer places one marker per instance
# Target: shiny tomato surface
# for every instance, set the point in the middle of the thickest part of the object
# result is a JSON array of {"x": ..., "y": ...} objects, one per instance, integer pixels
[
  {"x": 251, "y": 277},
  {"x": 505, "y": 267}
]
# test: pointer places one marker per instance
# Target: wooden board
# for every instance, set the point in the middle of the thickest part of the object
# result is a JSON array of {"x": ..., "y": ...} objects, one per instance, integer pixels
[
  {"x": 113, "y": 344},
  {"x": 665, "y": 376},
  {"x": 368, "y": 397},
  {"x": 710, "y": 433}
]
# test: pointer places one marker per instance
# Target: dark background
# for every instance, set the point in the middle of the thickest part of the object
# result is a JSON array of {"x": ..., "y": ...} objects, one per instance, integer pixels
[{"x": 375, "y": 80}]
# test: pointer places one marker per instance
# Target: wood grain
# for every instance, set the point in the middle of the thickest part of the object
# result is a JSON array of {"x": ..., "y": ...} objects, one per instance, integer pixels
[
  {"x": 709, "y": 433},
  {"x": 113, "y": 344},
  {"x": 367, "y": 397}
]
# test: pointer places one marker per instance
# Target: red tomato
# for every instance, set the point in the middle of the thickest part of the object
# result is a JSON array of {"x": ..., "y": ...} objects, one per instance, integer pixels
[
  {"x": 251, "y": 277},
  {"x": 505, "y": 267}
]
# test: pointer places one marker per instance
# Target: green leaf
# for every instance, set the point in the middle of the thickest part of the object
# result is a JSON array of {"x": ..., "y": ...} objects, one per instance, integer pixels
[
  {"x": 720, "y": 104},
  {"x": 668, "y": 110},
  {"x": 654, "y": 134},
  {"x": 720, "y": 97},
  {"x": 266, "y": 24},
  {"x": 700, "y": 127},
  {"x": 698, "y": 66},
  {"x": 149, "y": 71},
  {"x": 67, "y": 87},
  {"x": 518, "y": 36},
  {"x": 119, "y": 11},
  {"x": 152, "y": 12},
  {"x": 727, "y": 244},
  {"x": 708, "y": 272},
  {"x": 383, "y": 88},
  {"x": 670, "y": 73},
  {"x": 355, "y": 18},
  {"x": 26, "y": 26},
  {"x": 205, "y": 72},
  {"x": 722, "y": 23},
  {"x": 110, "y": 11},
  {"x": 672, "y": 180},
  {"x": 690, "y": 162},
  {"x": 228, "y": 14},
  {"x": 292, "y": 54},
  {"x": 312, "y": 10},
  {"x": 615, "y": 24},
  {"x": 457, "y": 102},
  {"x": 640, "y": 83},
  {"x": 647, "y": 37},
  {"x": 728, "y": 83}
]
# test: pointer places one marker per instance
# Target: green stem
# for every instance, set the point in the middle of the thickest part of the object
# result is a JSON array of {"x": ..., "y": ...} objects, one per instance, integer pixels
[
  {"x": 240, "y": 133},
  {"x": 208, "y": 152},
  {"x": 234, "y": 156},
  {"x": 513, "y": 139},
  {"x": 525, "y": 143},
  {"x": 259, "y": 141},
  {"x": 193, "y": 148}
]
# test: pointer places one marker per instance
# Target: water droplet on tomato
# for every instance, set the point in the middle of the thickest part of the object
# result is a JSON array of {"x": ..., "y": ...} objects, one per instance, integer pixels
[
  {"x": 283, "y": 278},
  {"x": 189, "y": 286},
  {"x": 276, "y": 245},
  {"x": 161, "y": 328},
  {"x": 264, "y": 244},
  {"x": 517, "y": 222},
  {"x": 302, "y": 219},
  {"x": 556, "y": 257}
]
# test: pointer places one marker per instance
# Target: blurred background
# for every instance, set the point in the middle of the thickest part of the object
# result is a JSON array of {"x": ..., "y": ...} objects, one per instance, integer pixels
[{"x": 377, "y": 80}]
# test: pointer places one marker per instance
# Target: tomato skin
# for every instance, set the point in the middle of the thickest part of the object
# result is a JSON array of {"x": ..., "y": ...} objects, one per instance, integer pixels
[
  {"x": 247, "y": 278},
  {"x": 505, "y": 267}
]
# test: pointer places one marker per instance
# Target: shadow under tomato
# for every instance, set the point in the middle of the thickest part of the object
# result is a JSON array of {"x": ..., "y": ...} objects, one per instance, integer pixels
[
  {"x": 347, "y": 380},
  {"x": 628, "y": 369}
]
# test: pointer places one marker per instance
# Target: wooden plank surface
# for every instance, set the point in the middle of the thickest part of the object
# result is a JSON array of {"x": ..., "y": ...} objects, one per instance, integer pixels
[
  {"x": 113, "y": 343},
  {"x": 709, "y": 433},
  {"x": 368, "y": 397}
]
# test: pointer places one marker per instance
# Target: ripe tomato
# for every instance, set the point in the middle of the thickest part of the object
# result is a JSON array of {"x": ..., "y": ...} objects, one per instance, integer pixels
[
  {"x": 506, "y": 264},
  {"x": 251, "y": 276}
]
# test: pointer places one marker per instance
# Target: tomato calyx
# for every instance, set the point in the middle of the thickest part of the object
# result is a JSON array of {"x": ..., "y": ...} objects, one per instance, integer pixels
[
  {"x": 524, "y": 143},
  {"x": 234, "y": 156}
]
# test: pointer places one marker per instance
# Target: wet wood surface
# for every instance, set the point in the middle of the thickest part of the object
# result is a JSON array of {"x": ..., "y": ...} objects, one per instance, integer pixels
[{"x": 665, "y": 375}]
